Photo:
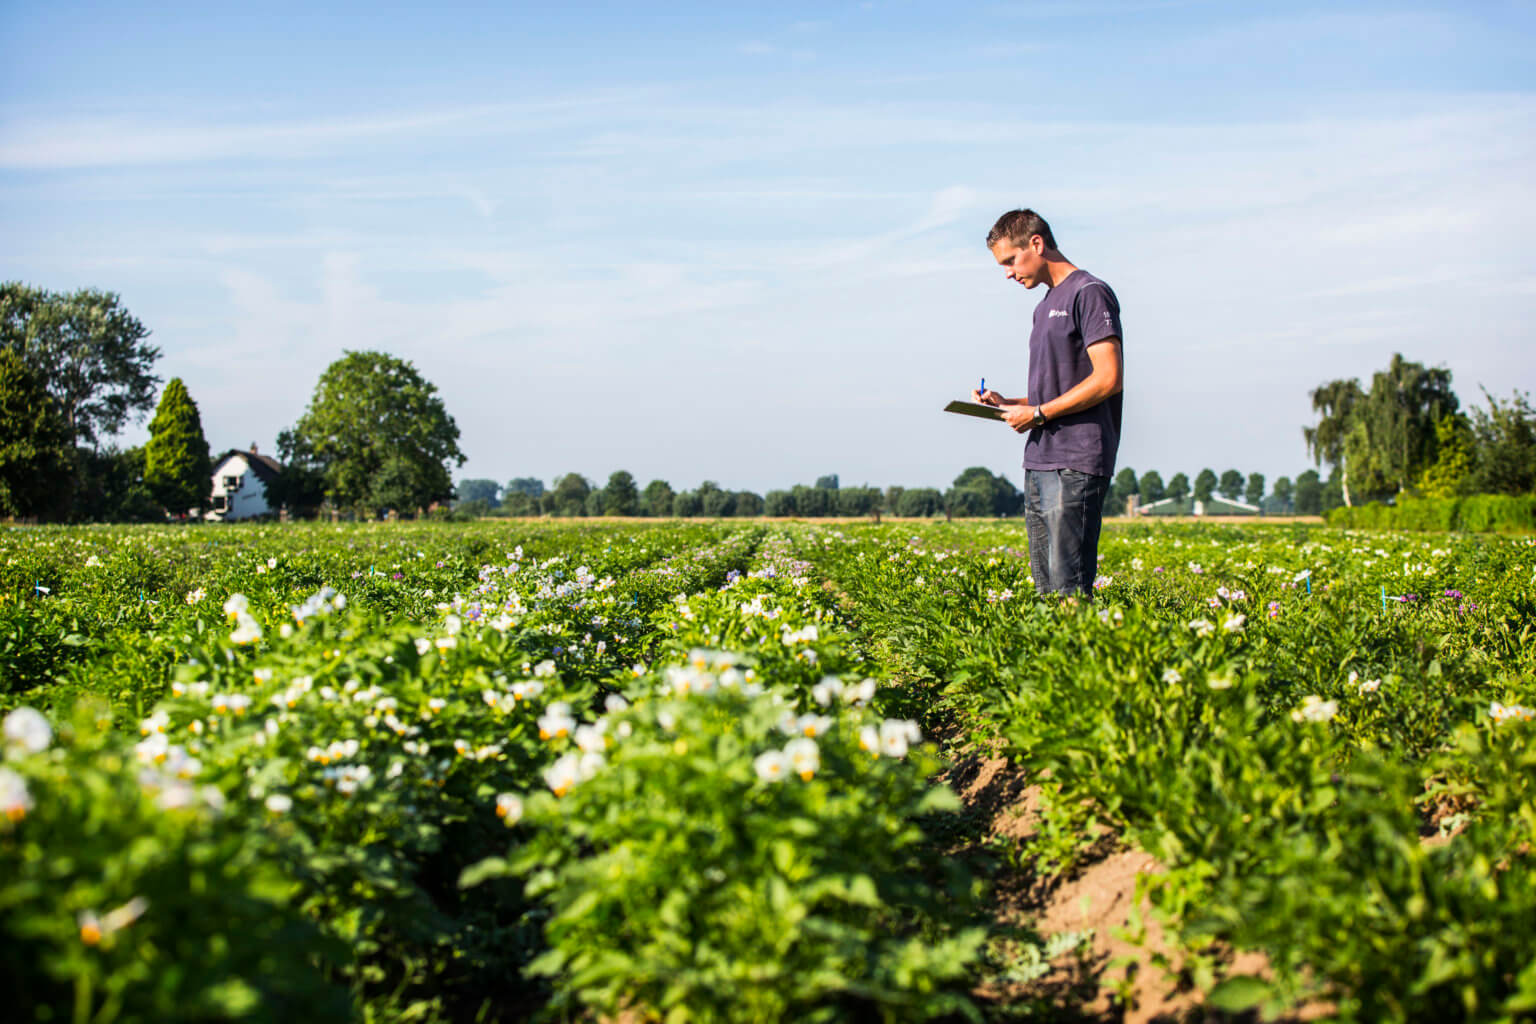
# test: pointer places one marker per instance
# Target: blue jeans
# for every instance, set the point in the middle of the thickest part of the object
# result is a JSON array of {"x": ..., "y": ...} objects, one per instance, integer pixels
[{"x": 1063, "y": 510}]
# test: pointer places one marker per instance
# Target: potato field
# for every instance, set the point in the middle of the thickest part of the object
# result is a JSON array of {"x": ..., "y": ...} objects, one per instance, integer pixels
[{"x": 763, "y": 771}]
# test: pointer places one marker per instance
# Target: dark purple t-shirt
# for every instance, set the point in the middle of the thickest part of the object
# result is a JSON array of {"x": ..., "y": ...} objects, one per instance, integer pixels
[{"x": 1073, "y": 315}]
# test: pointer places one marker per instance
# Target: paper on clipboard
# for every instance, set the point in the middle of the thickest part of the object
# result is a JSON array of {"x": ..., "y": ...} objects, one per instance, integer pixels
[{"x": 985, "y": 412}]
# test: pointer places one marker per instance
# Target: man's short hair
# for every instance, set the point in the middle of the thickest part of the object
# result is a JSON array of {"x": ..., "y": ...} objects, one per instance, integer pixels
[{"x": 1019, "y": 226}]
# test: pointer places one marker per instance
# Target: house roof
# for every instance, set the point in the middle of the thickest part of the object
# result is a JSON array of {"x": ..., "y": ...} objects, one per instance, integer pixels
[{"x": 265, "y": 467}]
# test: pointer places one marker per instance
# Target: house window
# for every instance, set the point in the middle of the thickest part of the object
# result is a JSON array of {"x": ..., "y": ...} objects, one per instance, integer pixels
[{"x": 231, "y": 483}]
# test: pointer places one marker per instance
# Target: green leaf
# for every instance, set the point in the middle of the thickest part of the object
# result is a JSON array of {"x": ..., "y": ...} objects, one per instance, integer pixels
[
  {"x": 1238, "y": 993},
  {"x": 491, "y": 867}
]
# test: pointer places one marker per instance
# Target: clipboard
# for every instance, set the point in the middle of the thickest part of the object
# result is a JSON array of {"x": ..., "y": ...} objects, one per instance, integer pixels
[{"x": 984, "y": 412}]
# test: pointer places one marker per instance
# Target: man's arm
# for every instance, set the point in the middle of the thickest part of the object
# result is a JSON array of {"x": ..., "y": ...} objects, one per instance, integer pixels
[{"x": 1104, "y": 380}]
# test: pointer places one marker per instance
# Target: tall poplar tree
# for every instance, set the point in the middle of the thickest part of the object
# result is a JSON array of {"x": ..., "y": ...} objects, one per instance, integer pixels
[{"x": 178, "y": 468}]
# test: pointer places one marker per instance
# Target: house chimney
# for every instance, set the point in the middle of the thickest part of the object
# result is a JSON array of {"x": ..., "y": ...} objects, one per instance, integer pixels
[{"x": 253, "y": 447}]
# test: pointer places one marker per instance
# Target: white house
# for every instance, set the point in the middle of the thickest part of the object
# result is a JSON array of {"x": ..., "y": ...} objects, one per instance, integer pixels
[{"x": 240, "y": 485}]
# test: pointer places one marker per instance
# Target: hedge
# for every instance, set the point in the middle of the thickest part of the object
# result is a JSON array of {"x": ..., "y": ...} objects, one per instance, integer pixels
[{"x": 1480, "y": 513}]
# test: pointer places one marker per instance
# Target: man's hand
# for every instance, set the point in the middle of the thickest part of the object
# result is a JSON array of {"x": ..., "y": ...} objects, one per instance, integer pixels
[
  {"x": 1019, "y": 417},
  {"x": 987, "y": 397}
]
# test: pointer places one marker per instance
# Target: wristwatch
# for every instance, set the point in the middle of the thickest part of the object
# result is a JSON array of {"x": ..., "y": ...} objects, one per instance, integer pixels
[{"x": 1039, "y": 416}]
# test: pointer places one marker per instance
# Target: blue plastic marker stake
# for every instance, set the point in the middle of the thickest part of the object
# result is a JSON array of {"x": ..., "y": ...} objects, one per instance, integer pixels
[
  {"x": 1309, "y": 586},
  {"x": 1383, "y": 597}
]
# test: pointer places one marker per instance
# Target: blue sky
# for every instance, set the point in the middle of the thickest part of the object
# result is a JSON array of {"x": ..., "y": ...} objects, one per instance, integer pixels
[{"x": 745, "y": 243}]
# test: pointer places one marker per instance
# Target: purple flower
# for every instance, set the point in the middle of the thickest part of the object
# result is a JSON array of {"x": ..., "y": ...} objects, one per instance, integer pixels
[
  {"x": 397, "y": 576},
  {"x": 1454, "y": 593}
]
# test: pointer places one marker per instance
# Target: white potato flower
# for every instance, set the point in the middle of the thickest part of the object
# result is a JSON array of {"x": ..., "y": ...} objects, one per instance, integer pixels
[{"x": 27, "y": 731}]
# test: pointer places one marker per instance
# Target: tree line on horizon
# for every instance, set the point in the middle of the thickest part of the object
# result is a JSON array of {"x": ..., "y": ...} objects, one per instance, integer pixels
[{"x": 76, "y": 368}]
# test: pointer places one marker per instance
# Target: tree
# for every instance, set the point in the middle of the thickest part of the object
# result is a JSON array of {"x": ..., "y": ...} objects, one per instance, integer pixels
[
  {"x": 859, "y": 501},
  {"x": 1231, "y": 485},
  {"x": 36, "y": 450},
  {"x": 1506, "y": 445},
  {"x": 620, "y": 497},
  {"x": 109, "y": 487},
  {"x": 657, "y": 499},
  {"x": 1381, "y": 440},
  {"x": 1178, "y": 487},
  {"x": 685, "y": 504},
  {"x": 1120, "y": 491},
  {"x": 1254, "y": 492},
  {"x": 300, "y": 484},
  {"x": 813, "y": 501},
  {"x": 178, "y": 468},
  {"x": 977, "y": 492},
  {"x": 1334, "y": 402},
  {"x": 1309, "y": 493},
  {"x": 921, "y": 501},
  {"x": 893, "y": 495},
  {"x": 596, "y": 504},
  {"x": 1205, "y": 484},
  {"x": 371, "y": 410},
  {"x": 89, "y": 352},
  {"x": 1150, "y": 487},
  {"x": 779, "y": 503},
  {"x": 748, "y": 503},
  {"x": 488, "y": 492},
  {"x": 533, "y": 487},
  {"x": 828, "y": 482},
  {"x": 569, "y": 498},
  {"x": 713, "y": 501},
  {"x": 1282, "y": 493},
  {"x": 1451, "y": 476},
  {"x": 1333, "y": 490}
]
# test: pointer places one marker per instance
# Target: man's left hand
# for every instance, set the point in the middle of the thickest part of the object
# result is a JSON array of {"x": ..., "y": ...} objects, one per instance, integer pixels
[{"x": 1019, "y": 417}]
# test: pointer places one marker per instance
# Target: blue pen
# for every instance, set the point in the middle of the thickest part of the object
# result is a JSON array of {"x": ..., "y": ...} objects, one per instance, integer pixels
[{"x": 983, "y": 389}]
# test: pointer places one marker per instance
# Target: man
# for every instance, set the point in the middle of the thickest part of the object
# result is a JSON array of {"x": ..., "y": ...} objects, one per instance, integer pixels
[{"x": 1072, "y": 410}]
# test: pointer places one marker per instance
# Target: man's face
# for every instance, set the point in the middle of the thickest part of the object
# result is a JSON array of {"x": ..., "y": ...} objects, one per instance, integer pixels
[{"x": 1022, "y": 263}]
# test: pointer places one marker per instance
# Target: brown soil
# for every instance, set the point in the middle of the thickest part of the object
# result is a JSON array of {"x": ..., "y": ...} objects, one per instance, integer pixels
[{"x": 1119, "y": 976}]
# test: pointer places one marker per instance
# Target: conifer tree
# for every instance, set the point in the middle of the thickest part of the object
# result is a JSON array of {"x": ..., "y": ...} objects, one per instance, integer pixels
[{"x": 177, "y": 465}]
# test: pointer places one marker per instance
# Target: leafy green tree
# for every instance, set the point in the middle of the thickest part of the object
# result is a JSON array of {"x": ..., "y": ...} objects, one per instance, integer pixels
[
  {"x": 1334, "y": 403},
  {"x": 371, "y": 410},
  {"x": 178, "y": 467},
  {"x": 859, "y": 501},
  {"x": 828, "y": 482},
  {"x": 1205, "y": 484},
  {"x": 1253, "y": 493},
  {"x": 533, "y": 487},
  {"x": 814, "y": 501},
  {"x": 1150, "y": 487},
  {"x": 620, "y": 496},
  {"x": 748, "y": 503},
  {"x": 779, "y": 503},
  {"x": 486, "y": 492},
  {"x": 1333, "y": 490},
  {"x": 1178, "y": 487},
  {"x": 1506, "y": 445},
  {"x": 1282, "y": 493},
  {"x": 520, "y": 503},
  {"x": 569, "y": 498},
  {"x": 977, "y": 492},
  {"x": 300, "y": 484},
  {"x": 1380, "y": 440},
  {"x": 88, "y": 350},
  {"x": 657, "y": 499},
  {"x": 36, "y": 450},
  {"x": 715, "y": 502},
  {"x": 893, "y": 495},
  {"x": 1452, "y": 474},
  {"x": 686, "y": 504},
  {"x": 596, "y": 504},
  {"x": 921, "y": 501},
  {"x": 110, "y": 488},
  {"x": 1231, "y": 485},
  {"x": 1309, "y": 493},
  {"x": 1120, "y": 490}
]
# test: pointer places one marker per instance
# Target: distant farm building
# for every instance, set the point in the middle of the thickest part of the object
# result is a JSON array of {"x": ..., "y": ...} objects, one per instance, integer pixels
[
  {"x": 240, "y": 482},
  {"x": 1217, "y": 506}
]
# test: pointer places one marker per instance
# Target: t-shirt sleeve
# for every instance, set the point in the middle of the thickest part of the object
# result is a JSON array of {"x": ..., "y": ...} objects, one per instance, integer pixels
[{"x": 1098, "y": 314}]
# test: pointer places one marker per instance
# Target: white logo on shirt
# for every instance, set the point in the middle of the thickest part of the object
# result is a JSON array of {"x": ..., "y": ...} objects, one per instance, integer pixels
[{"x": 1057, "y": 312}]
